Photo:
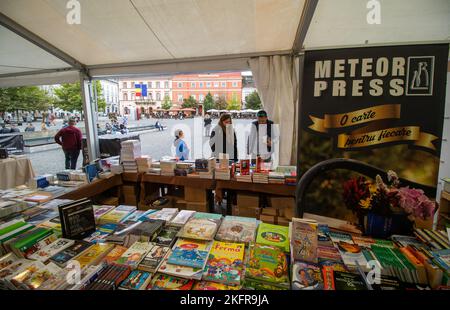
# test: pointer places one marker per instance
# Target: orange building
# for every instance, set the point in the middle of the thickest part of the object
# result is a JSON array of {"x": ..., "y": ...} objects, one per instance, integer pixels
[{"x": 227, "y": 85}]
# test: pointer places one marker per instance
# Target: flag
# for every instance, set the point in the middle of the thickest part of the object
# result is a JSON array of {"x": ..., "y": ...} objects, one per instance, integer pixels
[
  {"x": 138, "y": 90},
  {"x": 144, "y": 90}
]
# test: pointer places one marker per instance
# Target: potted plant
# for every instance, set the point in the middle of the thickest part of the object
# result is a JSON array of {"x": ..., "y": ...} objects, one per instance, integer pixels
[{"x": 383, "y": 208}]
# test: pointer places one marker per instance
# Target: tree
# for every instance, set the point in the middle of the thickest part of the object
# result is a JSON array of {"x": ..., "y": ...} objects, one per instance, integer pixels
[
  {"x": 233, "y": 104},
  {"x": 166, "y": 104},
  {"x": 253, "y": 101},
  {"x": 208, "y": 103},
  {"x": 69, "y": 97},
  {"x": 26, "y": 98},
  {"x": 189, "y": 103},
  {"x": 221, "y": 103}
]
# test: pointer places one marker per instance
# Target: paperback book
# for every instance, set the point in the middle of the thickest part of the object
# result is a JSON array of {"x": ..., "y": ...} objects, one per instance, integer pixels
[
  {"x": 306, "y": 276},
  {"x": 135, "y": 254},
  {"x": 225, "y": 263},
  {"x": 137, "y": 280},
  {"x": 199, "y": 229},
  {"x": 69, "y": 253},
  {"x": 273, "y": 235},
  {"x": 166, "y": 282},
  {"x": 190, "y": 253},
  {"x": 180, "y": 271},
  {"x": 238, "y": 229},
  {"x": 304, "y": 240},
  {"x": 154, "y": 258}
]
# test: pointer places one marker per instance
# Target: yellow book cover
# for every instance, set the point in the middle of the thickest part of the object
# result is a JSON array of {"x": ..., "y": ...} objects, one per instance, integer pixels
[
  {"x": 94, "y": 254},
  {"x": 114, "y": 216},
  {"x": 225, "y": 263}
]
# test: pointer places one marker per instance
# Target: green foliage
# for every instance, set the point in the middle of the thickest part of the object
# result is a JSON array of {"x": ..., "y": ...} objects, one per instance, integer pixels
[
  {"x": 233, "y": 104},
  {"x": 69, "y": 97},
  {"x": 220, "y": 104},
  {"x": 208, "y": 102},
  {"x": 253, "y": 101},
  {"x": 189, "y": 103},
  {"x": 166, "y": 104},
  {"x": 26, "y": 98}
]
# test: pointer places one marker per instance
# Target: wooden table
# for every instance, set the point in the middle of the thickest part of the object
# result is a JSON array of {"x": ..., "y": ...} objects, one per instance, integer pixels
[{"x": 95, "y": 188}]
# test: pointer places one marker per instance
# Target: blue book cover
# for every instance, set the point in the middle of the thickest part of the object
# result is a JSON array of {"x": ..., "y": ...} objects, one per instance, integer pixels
[
  {"x": 190, "y": 253},
  {"x": 136, "y": 280}
]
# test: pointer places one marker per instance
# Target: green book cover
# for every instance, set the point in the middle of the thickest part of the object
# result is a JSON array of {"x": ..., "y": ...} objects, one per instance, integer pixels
[
  {"x": 267, "y": 264},
  {"x": 274, "y": 235},
  {"x": 11, "y": 227},
  {"x": 27, "y": 241},
  {"x": 16, "y": 232}
]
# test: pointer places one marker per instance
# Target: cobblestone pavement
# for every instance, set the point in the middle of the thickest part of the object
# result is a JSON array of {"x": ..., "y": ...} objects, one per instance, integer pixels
[{"x": 155, "y": 143}]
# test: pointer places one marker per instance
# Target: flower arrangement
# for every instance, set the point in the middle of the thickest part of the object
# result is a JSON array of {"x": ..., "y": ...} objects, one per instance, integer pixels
[{"x": 363, "y": 196}]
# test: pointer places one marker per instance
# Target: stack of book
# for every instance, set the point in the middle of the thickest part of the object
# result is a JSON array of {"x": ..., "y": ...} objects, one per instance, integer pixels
[
  {"x": 222, "y": 174},
  {"x": 261, "y": 177},
  {"x": 205, "y": 167},
  {"x": 110, "y": 278},
  {"x": 168, "y": 167},
  {"x": 130, "y": 150},
  {"x": 243, "y": 178},
  {"x": 276, "y": 178},
  {"x": 144, "y": 163}
]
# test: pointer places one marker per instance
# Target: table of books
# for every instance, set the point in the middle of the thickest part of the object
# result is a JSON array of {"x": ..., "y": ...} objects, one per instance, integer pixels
[{"x": 168, "y": 249}]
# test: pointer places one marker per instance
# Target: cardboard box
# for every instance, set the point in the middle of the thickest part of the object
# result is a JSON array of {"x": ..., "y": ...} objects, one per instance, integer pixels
[
  {"x": 197, "y": 206},
  {"x": 288, "y": 213},
  {"x": 282, "y": 202},
  {"x": 247, "y": 200},
  {"x": 246, "y": 212},
  {"x": 193, "y": 194},
  {"x": 180, "y": 204},
  {"x": 268, "y": 219},
  {"x": 283, "y": 221},
  {"x": 270, "y": 211}
]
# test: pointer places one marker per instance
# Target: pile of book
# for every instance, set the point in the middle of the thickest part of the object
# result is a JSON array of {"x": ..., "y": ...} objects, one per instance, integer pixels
[
  {"x": 168, "y": 167},
  {"x": 222, "y": 174},
  {"x": 205, "y": 168},
  {"x": 155, "y": 168},
  {"x": 276, "y": 178},
  {"x": 184, "y": 168},
  {"x": 261, "y": 177},
  {"x": 243, "y": 178},
  {"x": 130, "y": 150},
  {"x": 143, "y": 163}
]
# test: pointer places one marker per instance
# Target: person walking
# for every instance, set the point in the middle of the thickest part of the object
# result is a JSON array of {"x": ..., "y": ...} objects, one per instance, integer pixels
[
  {"x": 207, "y": 124},
  {"x": 223, "y": 138},
  {"x": 181, "y": 148},
  {"x": 70, "y": 138}
]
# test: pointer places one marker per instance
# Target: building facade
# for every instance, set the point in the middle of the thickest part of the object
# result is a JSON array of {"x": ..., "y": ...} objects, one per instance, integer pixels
[
  {"x": 227, "y": 85},
  {"x": 157, "y": 88},
  {"x": 248, "y": 86},
  {"x": 110, "y": 92}
]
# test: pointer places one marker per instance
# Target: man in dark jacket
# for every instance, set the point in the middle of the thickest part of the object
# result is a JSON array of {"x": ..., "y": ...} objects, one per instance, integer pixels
[{"x": 70, "y": 139}]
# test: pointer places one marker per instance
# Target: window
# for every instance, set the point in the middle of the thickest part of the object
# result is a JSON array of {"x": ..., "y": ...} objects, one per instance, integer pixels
[
  {"x": 132, "y": 95},
  {"x": 180, "y": 98},
  {"x": 166, "y": 84},
  {"x": 216, "y": 84},
  {"x": 166, "y": 94},
  {"x": 201, "y": 97},
  {"x": 208, "y": 84},
  {"x": 200, "y": 85},
  {"x": 235, "y": 84},
  {"x": 125, "y": 96},
  {"x": 180, "y": 85},
  {"x": 158, "y": 96},
  {"x": 192, "y": 84},
  {"x": 124, "y": 85},
  {"x": 150, "y": 95},
  {"x": 158, "y": 85},
  {"x": 149, "y": 84},
  {"x": 132, "y": 84},
  {"x": 224, "y": 84}
]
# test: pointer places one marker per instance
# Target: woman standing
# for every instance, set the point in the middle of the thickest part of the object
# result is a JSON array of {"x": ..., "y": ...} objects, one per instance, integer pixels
[
  {"x": 223, "y": 138},
  {"x": 181, "y": 148}
]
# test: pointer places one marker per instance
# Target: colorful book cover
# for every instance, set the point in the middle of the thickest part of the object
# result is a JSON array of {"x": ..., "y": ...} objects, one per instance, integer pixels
[
  {"x": 443, "y": 258},
  {"x": 225, "y": 263},
  {"x": 99, "y": 211},
  {"x": 71, "y": 252},
  {"x": 182, "y": 217},
  {"x": 167, "y": 236},
  {"x": 365, "y": 242},
  {"x": 137, "y": 280},
  {"x": 180, "y": 271},
  {"x": 214, "y": 286},
  {"x": 352, "y": 253},
  {"x": 134, "y": 255},
  {"x": 340, "y": 236},
  {"x": 7, "y": 260},
  {"x": 33, "y": 276},
  {"x": 94, "y": 254},
  {"x": 114, "y": 216},
  {"x": 115, "y": 254},
  {"x": 328, "y": 252},
  {"x": 191, "y": 253},
  {"x": 322, "y": 234},
  {"x": 238, "y": 229},
  {"x": 335, "y": 265},
  {"x": 306, "y": 276},
  {"x": 154, "y": 258},
  {"x": 268, "y": 264},
  {"x": 304, "y": 240},
  {"x": 200, "y": 229},
  {"x": 210, "y": 216},
  {"x": 166, "y": 282},
  {"x": 55, "y": 247},
  {"x": 274, "y": 235}
]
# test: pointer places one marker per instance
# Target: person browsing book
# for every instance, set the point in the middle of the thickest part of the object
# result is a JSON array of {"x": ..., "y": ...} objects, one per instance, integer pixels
[
  {"x": 181, "y": 148},
  {"x": 263, "y": 137},
  {"x": 223, "y": 138}
]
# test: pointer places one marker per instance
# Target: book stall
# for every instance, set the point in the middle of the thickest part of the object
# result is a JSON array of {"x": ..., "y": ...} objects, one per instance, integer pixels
[{"x": 179, "y": 242}]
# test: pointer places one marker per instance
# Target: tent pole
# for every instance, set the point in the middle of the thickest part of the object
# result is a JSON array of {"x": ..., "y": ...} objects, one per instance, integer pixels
[
  {"x": 90, "y": 117},
  {"x": 305, "y": 21}
]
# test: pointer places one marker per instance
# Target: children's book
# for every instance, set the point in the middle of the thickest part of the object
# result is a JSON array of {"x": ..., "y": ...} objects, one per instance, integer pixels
[
  {"x": 306, "y": 276},
  {"x": 191, "y": 253},
  {"x": 180, "y": 271},
  {"x": 214, "y": 286},
  {"x": 274, "y": 235},
  {"x": 199, "y": 228},
  {"x": 225, "y": 263},
  {"x": 237, "y": 229},
  {"x": 70, "y": 253},
  {"x": 135, "y": 254},
  {"x": 137, "y": 280},
  {"x": 166, "y": 282},
  {"x": 304, "y": 240},
  {"x": 154, "y": 258}
]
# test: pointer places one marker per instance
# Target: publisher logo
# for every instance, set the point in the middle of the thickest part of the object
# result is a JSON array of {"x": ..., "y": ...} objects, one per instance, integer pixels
[{"x": 420, "y": 76}]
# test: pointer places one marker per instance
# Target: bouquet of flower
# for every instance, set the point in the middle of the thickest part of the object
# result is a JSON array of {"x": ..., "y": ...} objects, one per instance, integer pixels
[{"x": 363, "y": 196}]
